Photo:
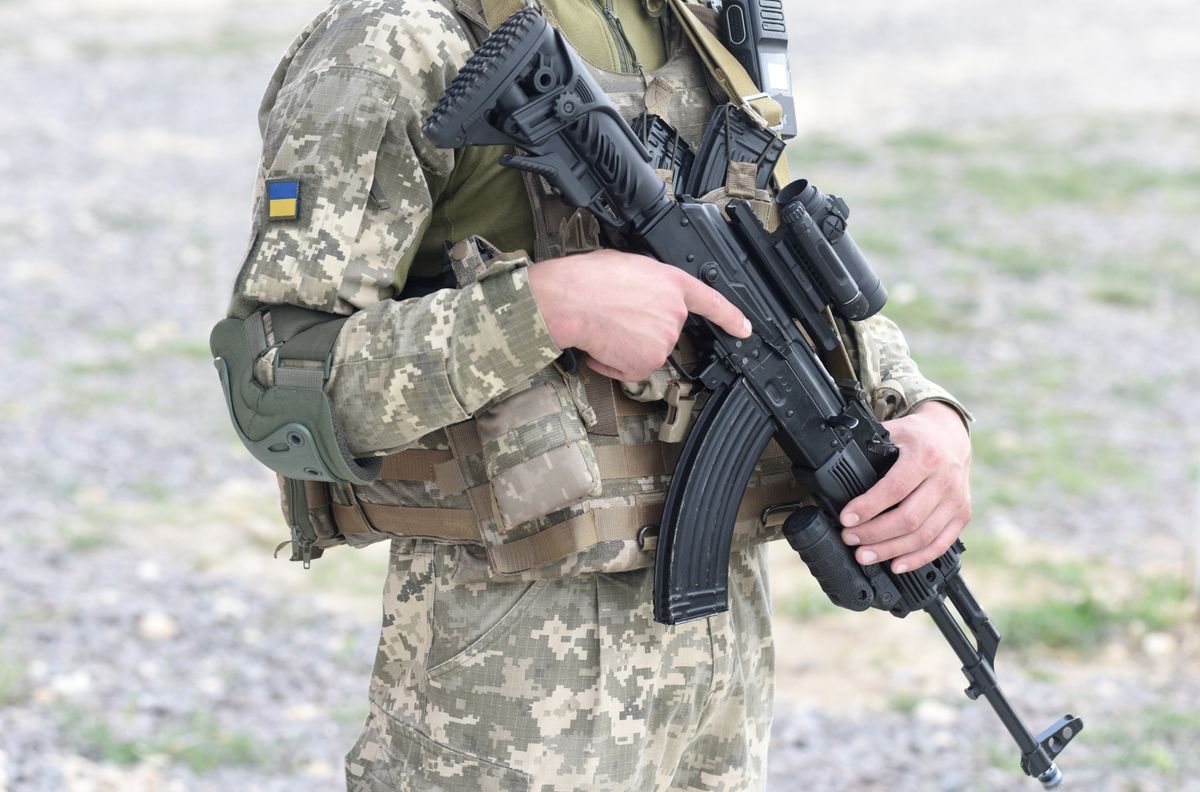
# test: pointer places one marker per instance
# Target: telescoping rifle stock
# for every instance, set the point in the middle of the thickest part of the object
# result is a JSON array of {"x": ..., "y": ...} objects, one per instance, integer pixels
[{"x": 526, "y": 87}]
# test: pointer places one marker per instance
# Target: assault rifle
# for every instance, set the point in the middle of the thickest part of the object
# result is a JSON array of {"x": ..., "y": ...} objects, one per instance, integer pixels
[{"x": 526, "y": 87}]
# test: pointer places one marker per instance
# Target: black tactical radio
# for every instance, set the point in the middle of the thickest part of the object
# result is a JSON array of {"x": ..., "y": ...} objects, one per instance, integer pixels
[{"x": 755, "y": 33}]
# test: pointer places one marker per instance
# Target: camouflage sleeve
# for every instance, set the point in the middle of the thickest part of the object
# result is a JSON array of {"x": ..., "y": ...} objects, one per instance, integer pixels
[
  {"x": 894, "y": 384},
  {"x": 341, "y": 132}
]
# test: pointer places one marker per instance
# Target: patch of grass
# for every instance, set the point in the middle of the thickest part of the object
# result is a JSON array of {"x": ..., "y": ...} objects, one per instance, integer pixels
[
  {"x": 88, "y": 368},
  {"x": 84, "y": 541},
  {"x": 350, "y": 715},
  {"x": 820, "y": 150},
  {"x": 1018, "y": 262},
  {"x": 929, "y": 141},
  {"x": 1055, "y": 176},
  {"x": 1039, "y": 314},
  {"x": 14, "y": 686},
  {"x": 904, "y": 703},
  {"x": 1166, "y": 273},
  {"x": 808, "y": 604},
  {"x": 1050, "y": 452},
  {"x": 875, "y": 243},
  {"x": 950, "y": 371},
  {"x": 922, "y": 312},
  {"x": 1158, "y": 738},
  {"x": 202, "y": 744},
  {"x": 195, "y": 348},
  {"x": 1084, "y": 622},
  {"x": 1121, "y": 292},
  {"x": 153, "y": 490}
]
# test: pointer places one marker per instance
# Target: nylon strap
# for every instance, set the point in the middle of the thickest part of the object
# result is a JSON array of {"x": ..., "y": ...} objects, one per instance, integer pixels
[
  {"x": 572, "y": 536},
  {"x": 611, "y": 525},
  {"x": 456, "y": 525},
  {"x": 732, "y": 77},
  {"x": 555, "y": 543},
  {"x": 416, "y": 464},
  {"x": 838, "y": 360},
  {"x": 725, "y": 69}
]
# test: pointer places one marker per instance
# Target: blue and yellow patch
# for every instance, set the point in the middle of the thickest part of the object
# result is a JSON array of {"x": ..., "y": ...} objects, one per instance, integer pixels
[{"x": 283, "y": 199}]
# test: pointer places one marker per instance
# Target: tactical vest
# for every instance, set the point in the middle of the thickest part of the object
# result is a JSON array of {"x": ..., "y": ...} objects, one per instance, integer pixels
[{"x": 568, "y": 475}]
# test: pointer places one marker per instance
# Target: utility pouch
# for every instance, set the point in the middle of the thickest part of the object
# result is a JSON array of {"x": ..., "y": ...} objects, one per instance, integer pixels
[
  {"x": 537, "y": 456},
  {"x": 533, "y": 444},
  {"x": 306, "y": 510}
]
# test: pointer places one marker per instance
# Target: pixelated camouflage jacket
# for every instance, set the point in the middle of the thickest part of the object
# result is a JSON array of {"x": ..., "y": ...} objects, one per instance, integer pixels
[{"x": 341, "y": 116}]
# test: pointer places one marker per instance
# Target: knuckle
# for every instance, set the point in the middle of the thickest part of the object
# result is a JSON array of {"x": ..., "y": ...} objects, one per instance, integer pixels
[{"x": 930, "y": 455}]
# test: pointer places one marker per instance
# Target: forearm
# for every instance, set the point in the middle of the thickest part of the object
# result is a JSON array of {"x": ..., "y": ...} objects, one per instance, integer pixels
[
  {"x": 894, "y": 383},
  {"x": 404, "y": 368}
]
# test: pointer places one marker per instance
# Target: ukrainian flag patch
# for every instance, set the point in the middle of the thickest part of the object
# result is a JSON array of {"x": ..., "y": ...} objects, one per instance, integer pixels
[{"x": 283, "y": 199}]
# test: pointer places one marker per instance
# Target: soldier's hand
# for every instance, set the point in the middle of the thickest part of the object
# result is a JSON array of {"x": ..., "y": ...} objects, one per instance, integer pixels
[
  {"x": 624, "y": 310},
  {"x": 929, "y": 488}
]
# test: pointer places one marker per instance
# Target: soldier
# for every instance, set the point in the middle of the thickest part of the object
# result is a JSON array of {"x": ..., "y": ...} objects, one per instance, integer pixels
[{"x": 518, "y": 649}]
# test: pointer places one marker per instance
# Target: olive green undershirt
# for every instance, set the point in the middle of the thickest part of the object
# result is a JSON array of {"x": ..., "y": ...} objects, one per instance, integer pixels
[{"x": 481, "y": 197}]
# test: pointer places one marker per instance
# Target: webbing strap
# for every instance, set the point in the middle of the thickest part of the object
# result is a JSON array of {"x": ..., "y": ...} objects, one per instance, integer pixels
[
  {"x": 456, "y": 525},
  {"x": 300, "y": 377},
  {"x": 572, "y": 536},
  {"x": 611, "y": 525},
  {"x": 628, "y": 461},
  {"x": 415, "y": 464},
  {"x": 838, "y": 360},
  {"x": 599, "y": 391},
  {"x": 620, "y": 524},
  {"x": 729, "y": 74},
  {"x": 732, "y": 77}
]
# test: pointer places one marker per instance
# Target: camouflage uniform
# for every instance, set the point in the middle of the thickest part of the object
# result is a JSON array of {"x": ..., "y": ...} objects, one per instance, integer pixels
[{"x": 559, "y": 680}]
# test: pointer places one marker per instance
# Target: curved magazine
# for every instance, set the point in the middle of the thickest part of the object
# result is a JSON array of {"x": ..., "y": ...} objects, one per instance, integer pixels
[{"x": 690, "y": 581}]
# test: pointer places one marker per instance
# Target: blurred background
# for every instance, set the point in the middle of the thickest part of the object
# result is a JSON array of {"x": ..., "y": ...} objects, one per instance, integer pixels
[{"x": 1025, "y": 177}]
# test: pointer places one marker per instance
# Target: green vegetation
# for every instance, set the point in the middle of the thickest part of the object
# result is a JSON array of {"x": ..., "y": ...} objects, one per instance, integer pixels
[
  {"x": 1158, "y": 738},
  {"x": 1049, "y": 452},
  {"x": 923, "y": 312},
  {"x": 201, "y": 744},
  {"x": 808, "y": 604},
  {"x": 818, "y": 151},
  {"x": 14, "y": 686},
  {"x": 930, "y": 141},
  {"x": 904, "y": 702},
  {"x": 1084, "y": 621}
]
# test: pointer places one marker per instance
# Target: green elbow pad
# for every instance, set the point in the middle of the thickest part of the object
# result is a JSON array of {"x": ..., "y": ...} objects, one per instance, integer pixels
[{"x": 290, "y": 426}]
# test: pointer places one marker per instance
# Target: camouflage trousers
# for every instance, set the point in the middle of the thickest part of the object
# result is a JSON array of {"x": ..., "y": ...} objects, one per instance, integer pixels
[{"x": 563, "y": 684}]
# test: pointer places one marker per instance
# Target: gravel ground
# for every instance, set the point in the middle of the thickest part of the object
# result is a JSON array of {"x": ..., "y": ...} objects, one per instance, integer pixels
[{"x": 132, "y": 660}]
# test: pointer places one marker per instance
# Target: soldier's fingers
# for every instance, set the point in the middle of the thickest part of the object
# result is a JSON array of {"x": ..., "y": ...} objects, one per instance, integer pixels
[
  {"x": 896, "y": 485},
  {"x": 712, "y": 305},
  {"x": 611, "y": 372},
  {"x": 915, "y": 541},
  {"x": 911, "y": 561},
  {"x": 910, "y": 514}
]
